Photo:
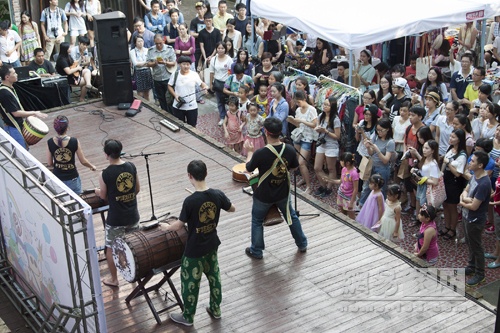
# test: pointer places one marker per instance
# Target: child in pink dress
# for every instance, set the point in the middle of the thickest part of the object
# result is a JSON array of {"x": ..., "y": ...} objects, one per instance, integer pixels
[
  {"x": 233, "y": 125},
  {"x": 373, "y": 209},
  {"x": 348, "y": 189},
  {"x": 255, "y": 123}
]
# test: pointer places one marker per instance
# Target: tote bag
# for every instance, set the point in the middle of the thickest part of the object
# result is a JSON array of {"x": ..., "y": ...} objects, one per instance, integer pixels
[
  {"x": 436, "y": 194},
  {"x": 365, "y": 168}
]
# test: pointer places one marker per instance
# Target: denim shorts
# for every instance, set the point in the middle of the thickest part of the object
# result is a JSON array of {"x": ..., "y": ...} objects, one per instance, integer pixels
[
  {"x": 74, "y": 184},
  {"x": 304, "y": 145}
]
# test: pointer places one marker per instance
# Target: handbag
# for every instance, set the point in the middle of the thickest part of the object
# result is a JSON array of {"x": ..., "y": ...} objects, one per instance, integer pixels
[
  {"x": 424, "y": 61},
  {"x": 218, "y": 85},
  {"x": 297, "y": 134},
  {"x": 365, "y": 168},
  {"x": 404, "y": 169},
  {"x": 436, "y": 194}
]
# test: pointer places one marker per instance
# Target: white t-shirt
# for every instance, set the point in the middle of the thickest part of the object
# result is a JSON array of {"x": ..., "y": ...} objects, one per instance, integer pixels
[
  {"x": 459, "y": 163},
  {"x": 445, "y": 130},
  {"x": 430, "y": 169},
  {"x": 477, "y": 126},
  {"x": 399, "y": 131},
  {"x": 75, "y": 23},
  {"x": 236, "y": 39},
  {"x": 184, "y": 86},
  {"x": 487, "y": 132},
  {"x": 221, "y": 68},
  {"x": 8, "y": 43},
  {"x": 309, "y": 134}
]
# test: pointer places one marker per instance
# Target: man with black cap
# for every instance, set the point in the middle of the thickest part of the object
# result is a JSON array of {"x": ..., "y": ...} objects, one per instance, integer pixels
[
  {"x": 274, "y": 161},
  {"x": 182, "y": 85}
]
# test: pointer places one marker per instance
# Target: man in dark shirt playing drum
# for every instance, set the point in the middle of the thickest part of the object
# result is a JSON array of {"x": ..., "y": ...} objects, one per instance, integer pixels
[{"x": 119, "y": 185}]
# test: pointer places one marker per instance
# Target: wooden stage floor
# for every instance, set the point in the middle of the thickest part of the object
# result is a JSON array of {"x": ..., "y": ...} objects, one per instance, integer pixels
[{"x": 347, "y": 281}]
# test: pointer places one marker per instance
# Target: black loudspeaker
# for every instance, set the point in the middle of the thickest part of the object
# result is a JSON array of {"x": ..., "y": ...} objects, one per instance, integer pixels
[
  {"x": 116, "y": 83},
  {"x": 111, "y": 37}
]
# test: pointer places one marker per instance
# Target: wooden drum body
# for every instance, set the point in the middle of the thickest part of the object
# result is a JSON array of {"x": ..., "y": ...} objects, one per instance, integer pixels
[
  {"x": 34, "y": 130},
  {"x": 92, "y": 199},
  {"x": 273, "y": 216},
  {"x": 139, "y": 252}
]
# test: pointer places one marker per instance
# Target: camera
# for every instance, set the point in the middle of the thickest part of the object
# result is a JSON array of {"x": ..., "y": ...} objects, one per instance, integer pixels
[
  {"x": 455, "y": 41},
  {"x": 181, "y": 102},
  {"x": 55, "y": 31},
  {"x": 406, "y": 155},
  {"x": 320, "y": 141}
]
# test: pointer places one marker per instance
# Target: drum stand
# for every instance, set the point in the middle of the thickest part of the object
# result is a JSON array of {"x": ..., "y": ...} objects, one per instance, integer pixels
[
  {"x": 146, "y": 157},
  {"x": 141, "y": 290}
]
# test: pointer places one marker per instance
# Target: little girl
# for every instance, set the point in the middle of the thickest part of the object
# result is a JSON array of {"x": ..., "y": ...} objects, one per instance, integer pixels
[
  {"x": 233, "y": 125},
  {"x": 390, "y": 224},
  {"x": 255, "y": 124},
  {"x": 348, "y": 189},
  {"x": 373, "y": 208},
  {"x": 261, "y": 100},
  {"x": 244, "y": 101},
  {"x": 427, "y": 245}
]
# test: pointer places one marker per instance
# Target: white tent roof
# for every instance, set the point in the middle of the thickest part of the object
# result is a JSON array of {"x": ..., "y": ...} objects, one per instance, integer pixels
[{"x": 366, "y": 22}]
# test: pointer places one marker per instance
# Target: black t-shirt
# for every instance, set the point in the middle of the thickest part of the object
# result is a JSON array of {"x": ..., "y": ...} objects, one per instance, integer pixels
[
  {"x": 264, "y": 79},
  {"x": 61, "y": 64},
  {"x": 197, "y": 25},
  {"x": 241, "y": 25},
  {"x": 45, "y": 68},
  {"x": 209, "y": 39},
  {"x": 9, "y": 104},
  {"x": 201, "y": 211},
  {"x": 64, "y": 159},
  {"x": 395, "y": 105},
  {"x": 275, "y": 187},
  {"x": 121, "y": 182}
]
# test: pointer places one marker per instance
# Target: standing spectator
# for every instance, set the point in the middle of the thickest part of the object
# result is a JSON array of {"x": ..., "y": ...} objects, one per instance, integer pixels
[
  {"x": 241, "y": 18},
  {"x": 40, "y": 65},
  {"x": 435, "y": 79},
  {"x": 185, "y": 45},
  {"x": 171, "y": 32},
  {"x": 467, "y": 38},
  {"x": 30, "y": 38},
  {"x": 92, "y": 7},
  {"x": 443, "y": 126},
  {"x": 252, "y": 44},
  {"x": 220, "y": 66},
  {"x": 11, "y": 110},
  {"x": 278, "y": 106},
  {"x": 209, "y": 38},
  {"x": 236, "y": 80},
  {"x": 222, "y": 16},
  {"x": 461, "y": 79},
  {"x": 10, "y": 42},
  {"x": 202, "y": 244},
  {"x": 142, "y": 73},
  {"x": 263, "y": 71},
  {"x": 154, "y": 20},
  {"x": 162, "y": 59},
  {"x": 275, "y": 188},
  {"x": 321, "y": 59},
  {"x": 242, "y": 58},
  {"x": 140, "y": 30},
  {"x": 182, "y": 86},
  {"x": 170, "y": 4},
  {"x": 119, "y": 185},
  {"x": 197, "y": 24},
  {"x": 75, "y": 11},
  {"x": 398, "y": 91},
  {"x": 365, "y": 70},
  {"x": 54, "y": 26},
  {"x": 474, "y": 200},
  {"x": 233, "y": 34},
  {"x": 411, "y": 72},
  {"x": 343, "y": 72},
  {"x": 472, "y": 90}
]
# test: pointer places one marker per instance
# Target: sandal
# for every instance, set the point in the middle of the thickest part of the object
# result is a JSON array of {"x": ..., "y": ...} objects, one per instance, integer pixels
[
  {"x": 444, "y": 232},
  {"x": 451, "y": 236}
]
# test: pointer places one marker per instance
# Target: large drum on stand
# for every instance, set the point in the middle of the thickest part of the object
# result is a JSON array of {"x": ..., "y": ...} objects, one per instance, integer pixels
[{"x": 139, "y": 252}]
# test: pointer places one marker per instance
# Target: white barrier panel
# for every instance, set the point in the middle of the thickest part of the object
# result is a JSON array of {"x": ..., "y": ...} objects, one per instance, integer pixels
[{"x": 48, "y": 239}]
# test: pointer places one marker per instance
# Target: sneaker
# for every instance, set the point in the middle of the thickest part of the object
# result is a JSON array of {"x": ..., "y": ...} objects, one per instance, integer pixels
[
  {"x": 490, "y": 230},
  {"x": 320, "y": 191},
  {"x": 326, "y": 193},
  {"x": 179, "y": 319},
  {"x": 407, "y": 210},
  {"x": 475, "y": 280},
  {"x": 252, "y": 255},
  {"x": 221, "y": 122},
  {"x": 210, "y": 312},
  {"x": 469, "y": 271}
]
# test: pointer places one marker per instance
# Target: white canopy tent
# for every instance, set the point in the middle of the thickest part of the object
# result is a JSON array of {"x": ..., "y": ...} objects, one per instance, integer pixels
[{"x": 366, "y": 22}]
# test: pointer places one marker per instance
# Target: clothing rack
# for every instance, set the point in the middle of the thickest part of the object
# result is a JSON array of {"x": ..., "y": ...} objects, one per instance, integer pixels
[{"x": 331, "y": 87}]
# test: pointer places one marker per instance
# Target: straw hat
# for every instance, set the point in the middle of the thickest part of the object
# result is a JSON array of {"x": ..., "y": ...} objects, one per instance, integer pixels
[
  {"x": 488, "y": 47},
  {"x": 437, "y": 42},
  {"x": 435, "y": 96}
]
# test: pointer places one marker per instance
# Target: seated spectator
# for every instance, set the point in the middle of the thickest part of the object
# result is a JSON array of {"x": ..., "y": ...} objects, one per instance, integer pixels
[
  {"x": 40, "y": 65},
  {"x": 81, "y": 53},
  {"x": 343, "y": 72},
  {"x": 321, "y": 63}
]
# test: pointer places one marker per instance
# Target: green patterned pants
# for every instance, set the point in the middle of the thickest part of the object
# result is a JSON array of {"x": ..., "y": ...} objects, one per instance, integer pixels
[{"x": 191, "y": 272}]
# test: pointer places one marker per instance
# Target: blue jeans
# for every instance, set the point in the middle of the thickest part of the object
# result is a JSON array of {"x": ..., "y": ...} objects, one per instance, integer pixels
[
  {"x": 220, "y": 104},
  {"x": 259, "y": 211},
  {"x": 385, "y": 172},
  {"x": 16, "y": 135},
  {"x": 74, "y": 184}
]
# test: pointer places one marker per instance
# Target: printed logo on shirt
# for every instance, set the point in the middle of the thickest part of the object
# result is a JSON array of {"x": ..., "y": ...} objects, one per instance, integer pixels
[
  {"x": 206, "y": 215},
  {"x": 63, "y": 155},
  {"x": 125, "y": 182}
]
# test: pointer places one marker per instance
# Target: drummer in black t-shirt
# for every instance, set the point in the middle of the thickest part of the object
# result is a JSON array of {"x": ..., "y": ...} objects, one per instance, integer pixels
[
  {"x": 11, "y": 110},
  {"x": 201, "y": 211},
  {"x": 119, "y": 185},
  {"x": 274, "y": 163}
]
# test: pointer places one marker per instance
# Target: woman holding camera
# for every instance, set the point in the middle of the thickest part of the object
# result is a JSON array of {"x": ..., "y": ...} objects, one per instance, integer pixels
[{"x": 327, "y": 146}]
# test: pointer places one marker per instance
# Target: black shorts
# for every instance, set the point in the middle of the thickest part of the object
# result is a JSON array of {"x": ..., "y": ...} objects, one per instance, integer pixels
[{"x": 89, "y": 24}]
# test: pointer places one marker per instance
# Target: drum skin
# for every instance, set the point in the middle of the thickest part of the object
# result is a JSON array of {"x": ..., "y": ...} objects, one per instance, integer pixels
[{"x": 139, "y": 252}]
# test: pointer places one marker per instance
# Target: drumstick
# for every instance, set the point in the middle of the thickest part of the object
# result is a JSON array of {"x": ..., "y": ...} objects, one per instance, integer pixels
[{"x": 189, "y": 190}]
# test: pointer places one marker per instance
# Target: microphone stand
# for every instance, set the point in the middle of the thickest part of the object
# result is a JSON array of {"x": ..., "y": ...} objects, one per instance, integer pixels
[{"x": 146, "y": 157}]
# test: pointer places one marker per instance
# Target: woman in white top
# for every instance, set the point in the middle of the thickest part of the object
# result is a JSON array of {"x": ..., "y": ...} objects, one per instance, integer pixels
[
  {"x": 365, "y": 71},
  {"x": 491, "y": 123},
  {"x": 92, "y": 7},
  {"x": 399, "y": 125},
  {"x": 443, "y": 126},
  {"x": 232, "y": 33},
  {"x": 220, "y": 66},
  {"x": 142, "y": 73},
  {"x": 306, "y": 119},
  {"x": 75, "y": 11}
]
